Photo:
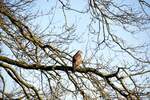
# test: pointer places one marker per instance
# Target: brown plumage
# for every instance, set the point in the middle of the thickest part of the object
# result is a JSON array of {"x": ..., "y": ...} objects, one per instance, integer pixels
[{"x": 77, "y": 60}]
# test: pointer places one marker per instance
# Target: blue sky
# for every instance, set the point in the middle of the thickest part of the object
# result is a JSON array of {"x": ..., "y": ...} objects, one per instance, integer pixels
[{"x": 80, "y": 23}]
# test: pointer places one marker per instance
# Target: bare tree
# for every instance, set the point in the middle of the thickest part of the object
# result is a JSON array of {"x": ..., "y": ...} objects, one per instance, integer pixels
[{"x": 39, "y": 38}]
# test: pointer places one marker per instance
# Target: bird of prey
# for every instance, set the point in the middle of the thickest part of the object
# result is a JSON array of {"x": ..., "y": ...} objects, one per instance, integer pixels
[{"x": 77, "y": 60}]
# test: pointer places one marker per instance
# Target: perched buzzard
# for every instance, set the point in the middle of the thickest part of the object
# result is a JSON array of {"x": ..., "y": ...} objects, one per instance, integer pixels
[{"x": 77, "y": 60}]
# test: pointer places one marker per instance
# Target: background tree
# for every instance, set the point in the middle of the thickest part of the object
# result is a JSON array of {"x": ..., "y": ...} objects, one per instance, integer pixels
[{"x": 38, "y": 39}]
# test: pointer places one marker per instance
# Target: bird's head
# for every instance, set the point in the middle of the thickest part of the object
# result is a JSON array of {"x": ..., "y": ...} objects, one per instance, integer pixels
[{"x": 80, "y": 52}]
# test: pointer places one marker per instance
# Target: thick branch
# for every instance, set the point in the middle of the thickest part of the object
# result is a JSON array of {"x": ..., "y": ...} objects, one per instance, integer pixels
[{"x": 57, "y": 67}]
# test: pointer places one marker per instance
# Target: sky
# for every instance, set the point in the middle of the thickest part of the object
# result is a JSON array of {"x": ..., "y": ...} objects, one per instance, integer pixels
[{"x": 80, "y": 23}]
